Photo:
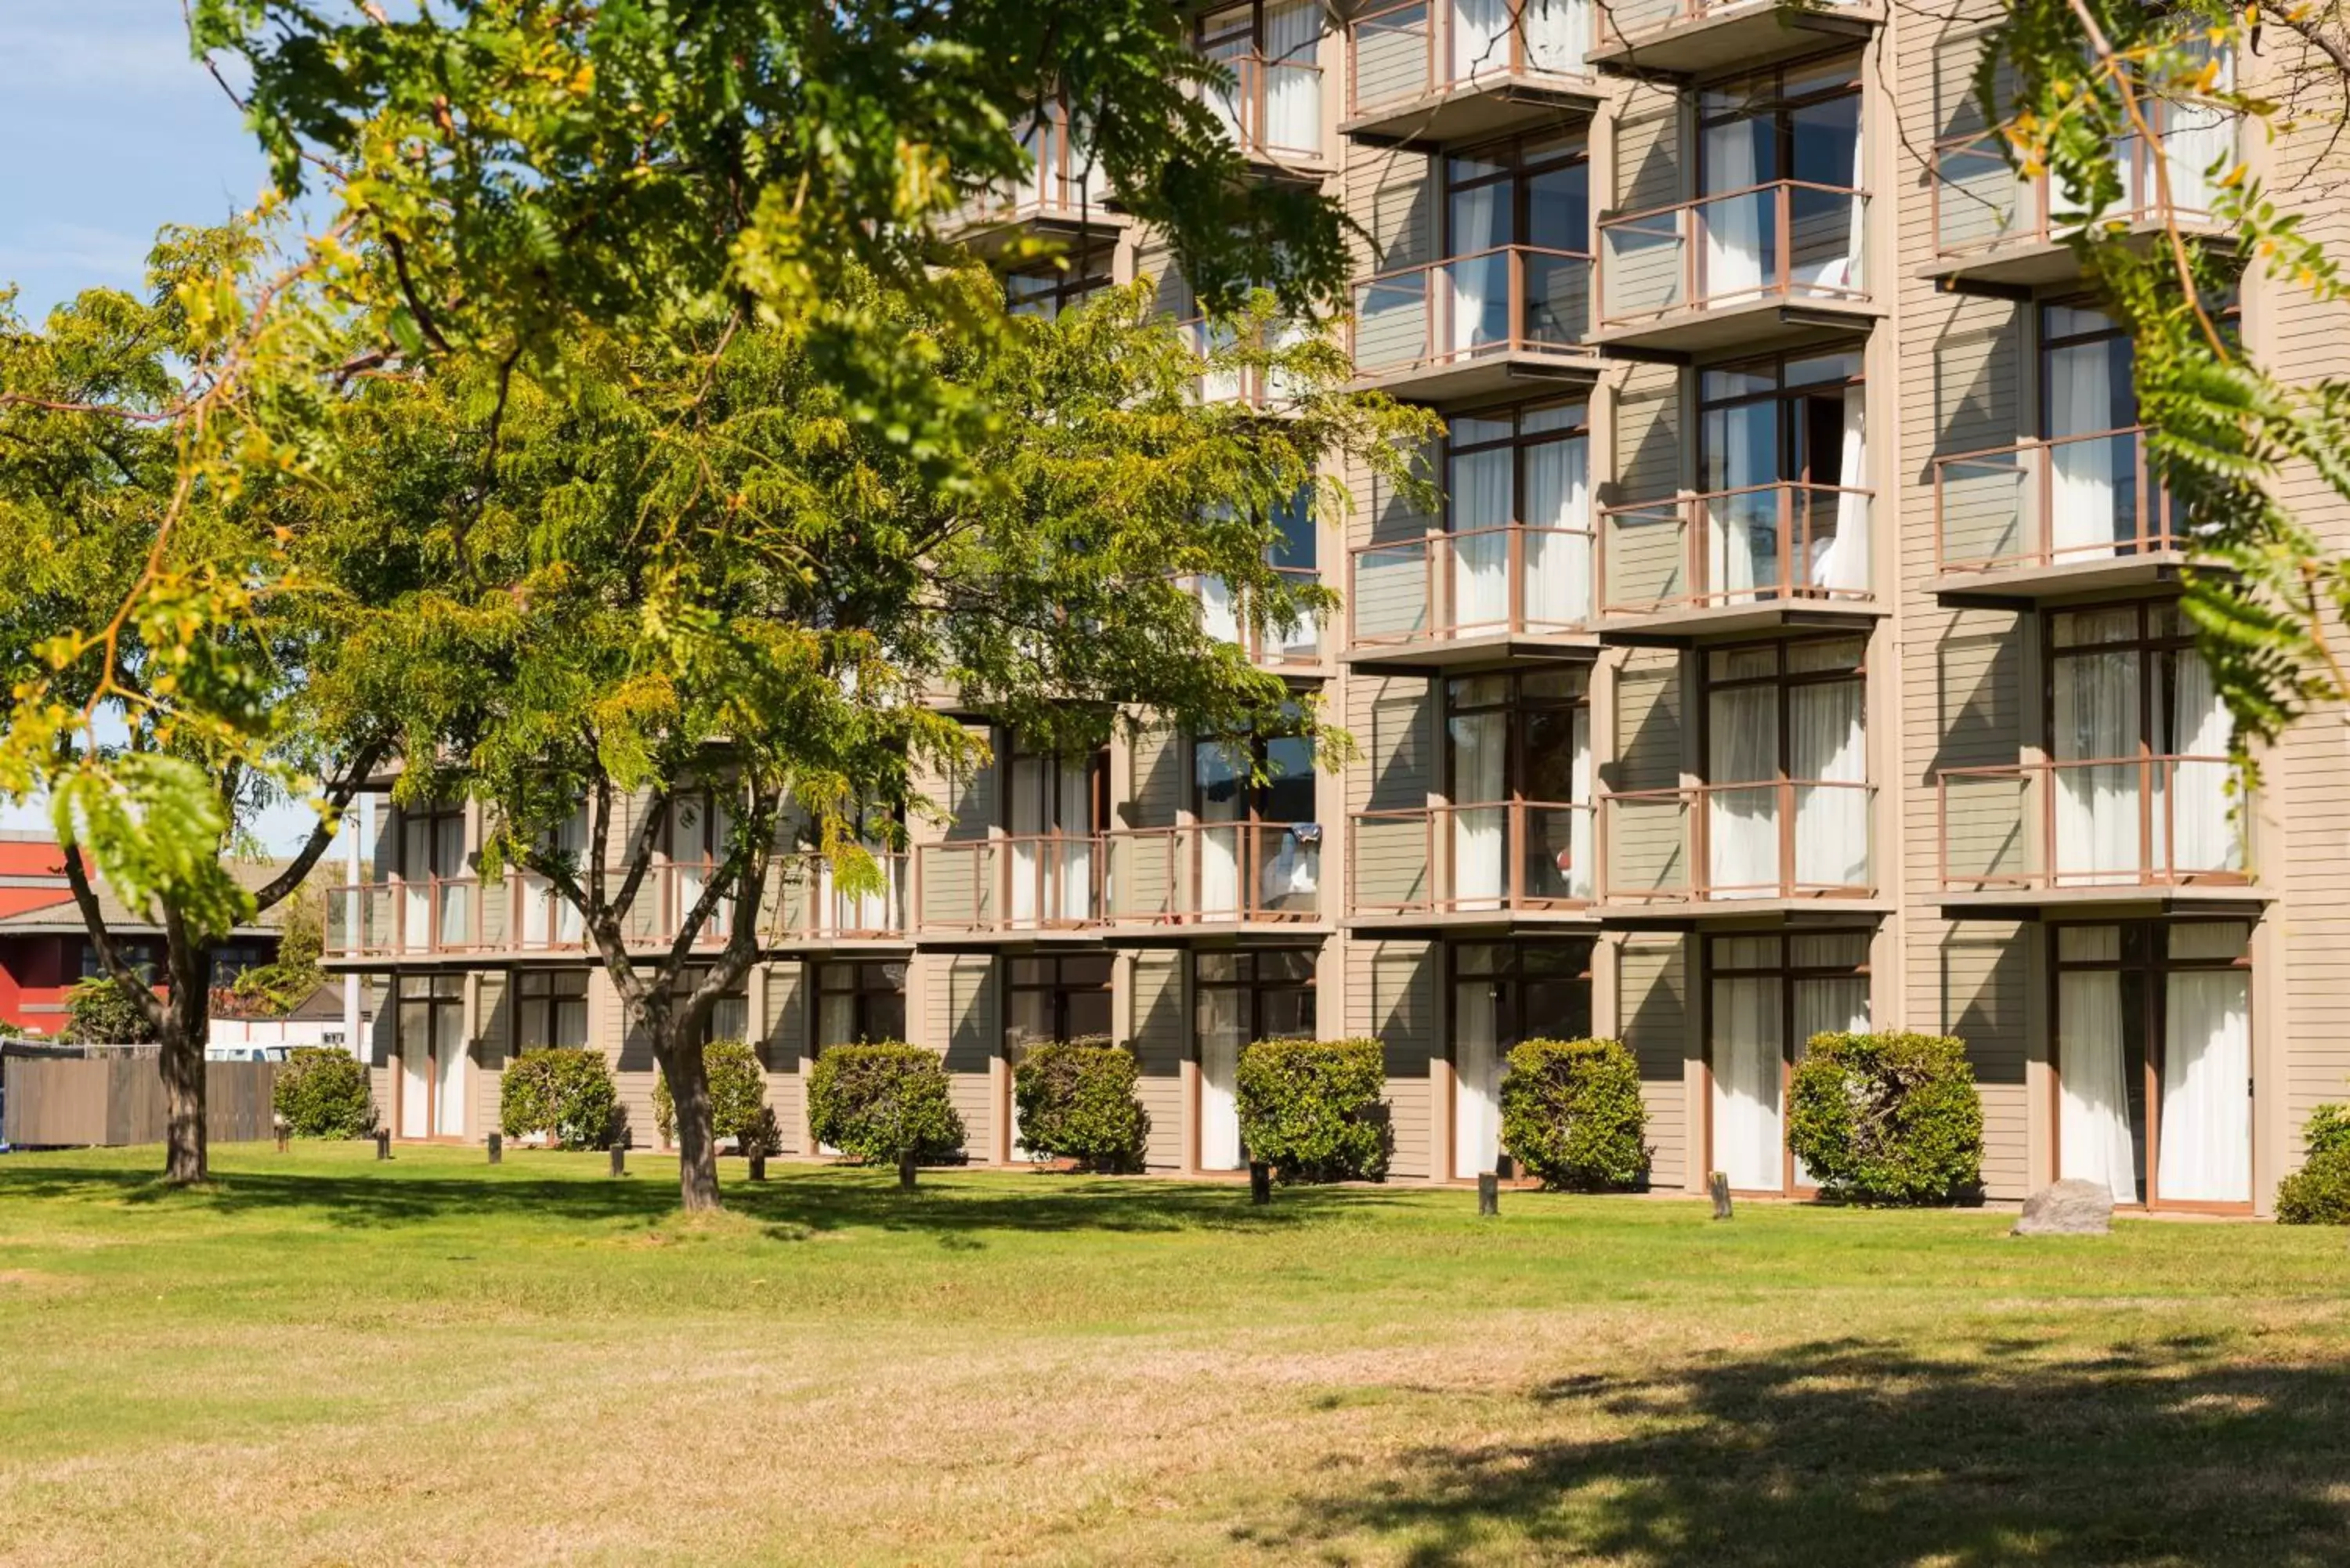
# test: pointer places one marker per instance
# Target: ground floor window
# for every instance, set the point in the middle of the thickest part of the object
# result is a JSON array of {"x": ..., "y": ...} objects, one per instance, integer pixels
[
  {"x": 2153, "y": 1059},
  {"x": 729, "y": 1016},
  {"x": 1502, "y": 993},
  {"x": 859, "y": 1002},
  {"x": 1265, "y": 994},
  {"x": 1767, "y": 997},
  {"x": 431, "y": 1021},
  {"x": 550, "y": 1008}
]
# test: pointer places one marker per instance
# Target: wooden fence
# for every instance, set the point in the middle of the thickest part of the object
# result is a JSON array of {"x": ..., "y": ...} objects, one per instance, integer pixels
[{"x": 65, "y": 1102}]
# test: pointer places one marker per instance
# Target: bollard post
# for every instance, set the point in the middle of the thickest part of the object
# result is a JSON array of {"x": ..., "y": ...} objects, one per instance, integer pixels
[
  {"x": 620, "y": 1159},
  {"x": 497, "y": 1148},
  {"x": 1488, "y": 1192},
  {"x": 1260, "y": 1183},
  {"x": 1717, "y": 1184},
  {"x": 758, "y": 1167},
  {"x": 279, "y": 1123},
  {"x": 382, "y": 1144},
  {"x": 906, "y": 1173}
]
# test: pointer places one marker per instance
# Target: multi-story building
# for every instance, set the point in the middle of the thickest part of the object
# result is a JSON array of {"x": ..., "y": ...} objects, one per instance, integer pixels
[{"x": 1794, "y": 648}]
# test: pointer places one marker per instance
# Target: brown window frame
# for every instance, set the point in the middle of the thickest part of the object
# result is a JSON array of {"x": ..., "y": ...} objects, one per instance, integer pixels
[{"x": 1788, "y": 972}]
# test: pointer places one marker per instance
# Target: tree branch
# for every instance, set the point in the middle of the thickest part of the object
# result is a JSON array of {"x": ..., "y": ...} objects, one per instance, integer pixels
[
  {"x": 93, "y": 919},
  {"x": 338, "y": 799}
]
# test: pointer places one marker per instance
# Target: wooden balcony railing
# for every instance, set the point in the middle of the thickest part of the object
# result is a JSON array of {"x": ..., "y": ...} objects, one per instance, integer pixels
[
  {"x": 1984, "y": 203},
  {"x": 2053, "y": 502},
  {"x": 1213, "y": 873},
  {"x": 1514, "y": 300},
  {"x": 1513, "y": 580},
  {"x": 1762, "y": 543},
  {"x": 1788, "y": 838},
  {"x": 1027, "y": 882},
  {"x": 1785, "y": 240},
  {"x": 2123, "y": 822},
  {"x": 1506, "y": 856},
  {"x": 1400, "y": 53}
]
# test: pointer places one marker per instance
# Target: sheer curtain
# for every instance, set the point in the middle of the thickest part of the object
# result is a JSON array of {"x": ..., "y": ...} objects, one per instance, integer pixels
[
  {"x": 1481, "y": 505},
  {"x": 1733, "y": 225},
  {"x": 2081, "y": 492},
  {"x": 1557, "y": 33},
  {"x": 1223, "y": 795},
  {"x": 2197, "y": 138},
  {"x": 1747, "y": 1050},
  {"x": 1478, "y": 278},
  {"x": 1742, "y": 824},
  {"x": 1293, "y": 110},
  {"x": 1481, "y": 38},
  {"x": 1558, "y": 564},
  {"x": 2204, "y": 831},
  {"x": 1479, "y": 753},
  {"x": 550, "y": 920},
  {"x": 2096, "y": 718},
  {"x": 2093, "y": 1134},
  {"x": 1220, "y": 1028},
  {"x": 1477, "y": 1079},
  {"x": 1028, "y": 784},
  {"x": 2206, "y": 1153},
  {"x": 1741, "y": 528},
  {"x": 1828, "y": 745},
  {"x": 1077, "y": 825},
  {"x": 1218, "y": 613},
  {"x": 1826, "y": 1007},
  {"x": 1579, "y": 850},
  {"x": 1840, "y": 559}
]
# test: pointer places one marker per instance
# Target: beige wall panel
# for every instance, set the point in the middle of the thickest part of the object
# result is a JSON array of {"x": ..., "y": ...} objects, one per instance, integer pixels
[
  {"x": 1652, "y": 982},
  {"x": 1160, "y": 1042}
]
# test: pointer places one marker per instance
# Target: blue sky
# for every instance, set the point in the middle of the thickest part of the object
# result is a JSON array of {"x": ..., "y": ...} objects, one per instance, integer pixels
[{"x": 109, "y": 130}]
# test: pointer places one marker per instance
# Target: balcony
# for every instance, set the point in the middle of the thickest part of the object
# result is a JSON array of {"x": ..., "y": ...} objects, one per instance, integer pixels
[
  {"x": 1735, "y": 562},
  {"x": 1223, "y": 376},
  {"x": 1757, "y": 269},
  {"x": 1030, "y": 888},
  {"x": 2044, "y": 518},
  {"x": 2168, "y": 830},
  {"x": 1484, "y": 597},
  {"x": 1064, "y": 195},
  {"x": 1447, "y": 866},
  {"x": 809, "y": 910},
  {"x": 1426, "y": 73},
  {"x": 1788, "y": 847},
  {"x": 1680, "y": 38},
  {"x": 2001, "y": 232},
  {"x": 1212, "y": 878},
  {"x": 1470, "y": 326},
  {"x": 1225, "y": 617},
  {"x": 1273, "y": 113},
  {"x": 435, "y": 917}
]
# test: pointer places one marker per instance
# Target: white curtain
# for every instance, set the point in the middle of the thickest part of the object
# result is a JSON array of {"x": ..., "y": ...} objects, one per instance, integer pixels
[
  {"x": 1077, "y": 826},
  {"x": 2197, "y": 138},
  {"x": 2205, "y": 1155},
  {"x": 449, "y": 1042},
  {"x": 1840, "y": 550},
  {"x": 1558, "y": 565},
  {"x": 1218, "y": 613},
  {"x": 1826, "y": 1007},
  {"x": 1293, "y": 110},
  {"x": 1480, "y": 283},
  {"x": 2205, "y": 833},
  {"x": 1480, "y": 753},
  {"x": 1741, "y": 528},
  {"x": 1220, "y": 1058},
  {"x": 1733, "y": 225},
  {"x": 1747, "y": 1052},
  {"x": 1482, "y": 500},
  {"x": 1477, "y": 1080},
  {"x": 415, "y": 1069},
  {"x": 1223, "y": 800},
  {"x": 1557, "y": 32},
  {"x": 1579, "y": 850},
  {"x": 547, "y": 917},
  {"x": 1829, "y": 745},
  {"x": 1742, "y": 824},
  {"x": 1027, "y": 823},
  {"x": 2085, "y": 517},
  {"x": 2092, "y": 1133},
  {"x": 1481, "y": 38},
  {"x": 2096, "y": 702}
]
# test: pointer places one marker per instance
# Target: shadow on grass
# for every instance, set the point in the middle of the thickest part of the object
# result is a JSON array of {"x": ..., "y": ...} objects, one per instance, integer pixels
[
  {"x": 1855, "y": 1452},
  {"x": 800, "y": 1202}
]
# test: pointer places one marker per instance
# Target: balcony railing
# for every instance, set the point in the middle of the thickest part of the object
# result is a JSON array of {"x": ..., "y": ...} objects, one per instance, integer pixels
[
  {"x": 1253, "y": 386},
  {"x": 1274, "y": 109},
  {"x": 2128, "y": 822},
  {"x": 1982, "y": 203},
  {"x": 1512, "y": 300},
  {"x": 1225, "y": 616},
  {"x": 2059, "y": 503},
  {"x": 1401, "y": 53},
  {"x": 1766, "y": 544},
  {"x": 426, "y": 915},
  {"x": 812, "y": 906},
  {"x": 1514, "y": 580},
  {"x": 1213, "y": 873},
  {"x": 1063, "y": 183},
  {"x": 1466, "y": 859},
  {"x": 1630, "y": 18},
  {"x": 1790, "y": 838},
  {"x": 1786, "y": 240},
  {"x": 1028, "y": 882}
]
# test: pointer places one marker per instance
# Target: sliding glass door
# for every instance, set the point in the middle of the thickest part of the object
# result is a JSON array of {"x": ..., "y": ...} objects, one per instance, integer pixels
[{"x": 1767, "y": 997}]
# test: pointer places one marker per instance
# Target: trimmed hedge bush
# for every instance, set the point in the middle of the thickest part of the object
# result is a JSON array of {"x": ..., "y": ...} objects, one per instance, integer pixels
[
  {"x": 738, "y": 1091},
  {"x": 322, "y": 1092},
  {"x": 1888, "y": 1118},
  {"x": 565, "y": 1092},
  {"x": 1572, "y": 1113},
  {"x": 1310, "y": 1109},
  {"x": 881, "y": 1102},
  {"x": 2319, "y": 1192},
  {"x": 1076, "y": 1101}
]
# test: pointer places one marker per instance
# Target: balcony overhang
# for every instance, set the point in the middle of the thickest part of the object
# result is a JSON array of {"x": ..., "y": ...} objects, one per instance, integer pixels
[
  {"x": 991, "y": 236},
  {"x": 1073, "y": 938},
  {"x": 1690, "y": 627},
  {"x": 1494, "y": 374},
  {"x": 817, "y": 947},
  {"x": 1732, "y": 37},
  {"x": 1435, "y": 923},
  {"x": 1753, "y": 326},
  {"x": 2018, "y": 269},
  {"x": 1442, "y": 655},
  {"x": 1219, "y": 933},
  {"x": 2025, "y": 588},
  {"x": 1690, "y": 914},
  {"x": 1477, "y": 109},
  {"x": 2095, "y": 900}
]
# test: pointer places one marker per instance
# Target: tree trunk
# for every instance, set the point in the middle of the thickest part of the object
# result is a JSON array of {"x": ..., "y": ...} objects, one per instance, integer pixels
[
  {"x": 697, "y": 1149},
  {"x": 186, "y": 1009}
]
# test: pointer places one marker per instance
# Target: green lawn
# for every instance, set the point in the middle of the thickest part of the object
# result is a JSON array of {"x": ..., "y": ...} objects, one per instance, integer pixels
[{"x": 327, "y": 1360}]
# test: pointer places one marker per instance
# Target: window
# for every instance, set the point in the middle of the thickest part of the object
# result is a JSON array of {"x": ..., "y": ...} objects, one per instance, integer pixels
[
  {"x": 860, "y": 1001},
  {"x": 1782, "y": 459},
  {"x": 1239, "y": 998},
  {"x": 2153, "y": 1059},
  {"x": 1273, "y": 49},
  {"x": 1786, "y": 791},
  {"x": 1257, "y": 846},
  {"x": 701, "y": 838},
  {"x": 550, "y": 1008},
  {"x": 1054, "y": 805},
  {"x": 434, "y": 903},
  {"x": 1534, "y": 194},
  {"x": 1799, "y": 125},
  {"x": 2100, "y": 499},
  {"x": 1532, "y": 467},
  {"x": 550, "y": 920},
  {"x": 1065, "y": 997},
  {"x": 1502, "y": 993},
  {"x": 2137, "y": 744},
  {"x": 143, "y": 955},
  {"x": 1048, "y": 287},
  {"x": 730, "y": 1017},
  {"x": 1518, "y": 782},
  {"x": 429, "y": 1021},
  {"x": 1293, "y": 555},
  {"x": 1767, "y": 997}
]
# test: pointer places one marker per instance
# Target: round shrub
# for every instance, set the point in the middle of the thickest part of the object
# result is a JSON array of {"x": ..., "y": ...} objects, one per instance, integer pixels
[
  {"x": 1572, "y": 1113},
  {"x": 2319, "y": 1192},
  {"x": 880, "y": 1103},
  {"x": 1888, "y": 1118},
  {"x": 565, "y": 1092},
  {"x": 322, "y": 1092},
  {"x": 2328, "y": 1129},
  {"x": 1310, "y": 1109},
  {"x": 738, "y": 1091},
  {"x": 1076, "y": 1101}
]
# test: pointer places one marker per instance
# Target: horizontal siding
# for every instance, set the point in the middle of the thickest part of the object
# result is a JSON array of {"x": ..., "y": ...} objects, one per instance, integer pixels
[
  {"x": 1160, "y": 1042},
  {"x": 1652, "y": 989}
]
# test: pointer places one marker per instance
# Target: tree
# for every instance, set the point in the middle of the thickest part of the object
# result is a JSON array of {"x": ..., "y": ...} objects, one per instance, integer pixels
[{"x": 276, "y": 987}]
